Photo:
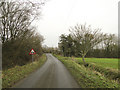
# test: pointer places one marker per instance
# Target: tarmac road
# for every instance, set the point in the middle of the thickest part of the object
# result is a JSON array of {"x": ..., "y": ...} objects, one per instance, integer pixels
[{"x": 53, "y": 74}]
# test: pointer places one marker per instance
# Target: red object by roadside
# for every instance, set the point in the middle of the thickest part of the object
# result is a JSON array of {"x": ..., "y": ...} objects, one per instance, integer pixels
[{"x": 32, "y": 52}]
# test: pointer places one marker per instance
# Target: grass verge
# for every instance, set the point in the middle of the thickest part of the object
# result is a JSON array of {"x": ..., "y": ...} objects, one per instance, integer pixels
[
  {"x": 87, "y": 78},
  {"x": 13, "y": 75}
]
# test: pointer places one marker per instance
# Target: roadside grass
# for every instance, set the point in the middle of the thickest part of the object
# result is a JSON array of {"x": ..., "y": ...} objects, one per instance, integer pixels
[
  {"x": 13, "y": 75},
  {"x": 87, "y": 77}
]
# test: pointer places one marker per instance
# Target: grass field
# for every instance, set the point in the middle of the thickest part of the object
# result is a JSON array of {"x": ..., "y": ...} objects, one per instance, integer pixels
[
  {"x": 13, "y": 75},
  {"x": 104, "y": 62},
  {"x": 96, "y": 75}
]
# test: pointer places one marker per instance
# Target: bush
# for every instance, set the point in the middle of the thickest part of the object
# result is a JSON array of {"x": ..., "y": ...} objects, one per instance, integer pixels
[{"x": 16, "y": 52}]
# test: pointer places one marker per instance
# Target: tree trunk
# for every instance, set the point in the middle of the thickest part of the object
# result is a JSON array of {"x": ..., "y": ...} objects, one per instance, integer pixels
[{"x": 83, "y": 60}]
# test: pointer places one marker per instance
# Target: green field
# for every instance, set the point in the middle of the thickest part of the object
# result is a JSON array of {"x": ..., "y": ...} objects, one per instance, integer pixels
[
  {"x": 100, "y": 73},
  {"x": 104, "y": 62}
]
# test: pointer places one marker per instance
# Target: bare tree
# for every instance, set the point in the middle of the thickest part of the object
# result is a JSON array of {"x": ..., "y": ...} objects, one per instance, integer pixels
[
  {"x": 16, "y": 17},
  {"x": 86, "y": 37},
  {"x": 16, "y": 32}
]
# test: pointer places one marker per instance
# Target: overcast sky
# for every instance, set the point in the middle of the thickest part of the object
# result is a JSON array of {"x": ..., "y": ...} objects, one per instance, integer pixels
[{"x": 59, "y": 15}]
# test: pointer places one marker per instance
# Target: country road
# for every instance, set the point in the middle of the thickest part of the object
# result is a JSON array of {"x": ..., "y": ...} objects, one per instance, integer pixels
[{"x": 53, "y": 74}]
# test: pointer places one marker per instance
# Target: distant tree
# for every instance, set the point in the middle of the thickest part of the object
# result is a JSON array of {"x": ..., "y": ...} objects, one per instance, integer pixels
[
  {"x": 106, "y": 49},
  {"x": 66, "y": 45},
  {"x": 86, "y": 38},
  {"x": 62, "y": 44},
  {"x": 111, "y": 46}
]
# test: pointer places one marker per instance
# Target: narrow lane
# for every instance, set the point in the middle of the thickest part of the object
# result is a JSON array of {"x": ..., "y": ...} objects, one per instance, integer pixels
[{"x": 53, "y": 74}]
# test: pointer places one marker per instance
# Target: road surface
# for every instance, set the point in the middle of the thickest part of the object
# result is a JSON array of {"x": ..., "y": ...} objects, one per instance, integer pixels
[{"x": 53, "y": 74}]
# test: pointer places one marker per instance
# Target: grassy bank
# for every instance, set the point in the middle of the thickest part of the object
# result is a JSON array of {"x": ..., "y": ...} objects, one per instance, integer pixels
[
  {"x": 13, "y": 75},
  {"x": 108, "y": 67},
  {"x": 87, "y": 77}
]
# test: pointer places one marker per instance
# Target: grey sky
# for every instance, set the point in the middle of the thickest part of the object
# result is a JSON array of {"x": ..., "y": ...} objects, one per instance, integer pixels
[{"x": 59, "y": 15}]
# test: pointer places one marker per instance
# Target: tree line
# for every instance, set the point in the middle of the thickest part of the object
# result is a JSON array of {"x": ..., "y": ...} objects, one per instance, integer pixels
[
  {"x": 83, "y": 42},
  {"x": 17, "y": 34}
]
